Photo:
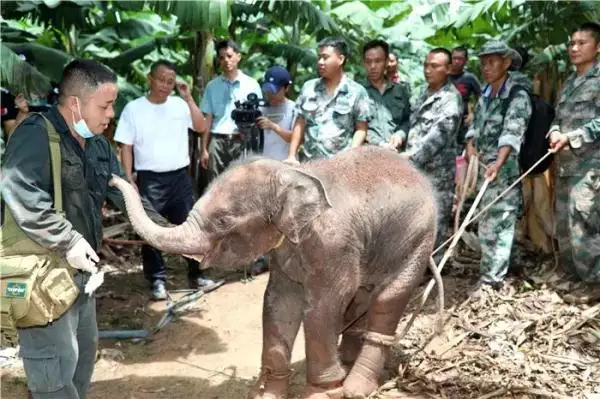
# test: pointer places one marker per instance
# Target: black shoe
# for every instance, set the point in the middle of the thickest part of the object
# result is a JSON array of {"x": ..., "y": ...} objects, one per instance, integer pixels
[
  {"x": 258, "y": 267},
  {"x": 204, "y": 284},
  {"x": 159, "y": 292}
]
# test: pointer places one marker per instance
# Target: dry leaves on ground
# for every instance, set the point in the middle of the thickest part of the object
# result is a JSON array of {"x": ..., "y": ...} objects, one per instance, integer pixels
[{"x": 520, "y": 342}]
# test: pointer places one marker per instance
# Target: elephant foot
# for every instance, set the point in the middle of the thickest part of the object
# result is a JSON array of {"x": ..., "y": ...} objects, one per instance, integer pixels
[
  {"x": 318, "y": 392},
  {"x": 270, "y": 385},
  {"x": 359, "y": 387},
  {"x": 363, "y": 380}
]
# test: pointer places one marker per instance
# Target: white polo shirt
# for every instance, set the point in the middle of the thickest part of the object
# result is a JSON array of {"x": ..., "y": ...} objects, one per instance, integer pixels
[
  {"x": 157, "y": 132},
  {"x": 283, "y": 115}
]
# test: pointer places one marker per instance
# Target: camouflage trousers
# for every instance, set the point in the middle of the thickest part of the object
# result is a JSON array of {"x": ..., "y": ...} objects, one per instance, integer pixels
[
  {"x": 497, "y": 230},
  {"x": 577, "y": 211},
  {"x": 444, "y": 215}
]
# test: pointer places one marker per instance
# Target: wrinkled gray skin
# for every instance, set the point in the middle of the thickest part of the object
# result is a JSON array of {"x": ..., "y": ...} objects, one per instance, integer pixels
[{"x": 358, "y": 232}]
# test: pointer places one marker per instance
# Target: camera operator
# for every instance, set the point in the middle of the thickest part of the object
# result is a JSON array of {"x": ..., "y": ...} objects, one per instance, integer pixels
[
  {"x": 222, "y": 142},
  {"x": 279, "y": 115}
]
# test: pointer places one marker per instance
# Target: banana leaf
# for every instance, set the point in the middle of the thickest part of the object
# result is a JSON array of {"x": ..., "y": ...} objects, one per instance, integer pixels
[{"x": 20, "y": 77}]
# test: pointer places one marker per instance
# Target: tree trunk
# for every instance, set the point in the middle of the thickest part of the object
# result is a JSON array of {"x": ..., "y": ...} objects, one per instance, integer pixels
[{"x": 203, "y": 58}]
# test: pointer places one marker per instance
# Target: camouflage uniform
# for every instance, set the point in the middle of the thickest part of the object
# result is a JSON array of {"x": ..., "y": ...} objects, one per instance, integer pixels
[
  {"x": 390, "y": 113},
  {"x": 492, "y": 129},
  {"x": 432, "y": 144},
  {"x": 331, "y": 120},
  {"x": 578, "y": 175}
]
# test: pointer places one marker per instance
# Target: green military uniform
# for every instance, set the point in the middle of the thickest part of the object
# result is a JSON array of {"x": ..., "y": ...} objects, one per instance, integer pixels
[
  {"x": 578, "y": 175},
  {"x": 431, "y": 144},
  {"x": 493, "y": 128},
  {"x": 390, "y": 112},
  {"x": 331, "y": 119},
  {"x": 59, "y": 358}
]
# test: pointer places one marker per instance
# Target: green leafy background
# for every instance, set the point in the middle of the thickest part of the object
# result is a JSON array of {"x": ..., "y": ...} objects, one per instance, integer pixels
[{"x": 129, "y": 35}]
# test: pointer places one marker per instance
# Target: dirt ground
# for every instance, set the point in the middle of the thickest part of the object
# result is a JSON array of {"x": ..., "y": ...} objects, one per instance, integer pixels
[{"x": 213, "y": 350}]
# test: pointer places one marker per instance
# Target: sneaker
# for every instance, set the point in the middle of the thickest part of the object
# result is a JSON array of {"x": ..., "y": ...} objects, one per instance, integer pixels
[
  {"x": 204, "y": 284},
  {"x": 159, "y": 292}
]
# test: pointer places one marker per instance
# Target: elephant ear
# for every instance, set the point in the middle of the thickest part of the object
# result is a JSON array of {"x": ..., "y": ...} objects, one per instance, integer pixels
[{"x": 301, "y": 197}]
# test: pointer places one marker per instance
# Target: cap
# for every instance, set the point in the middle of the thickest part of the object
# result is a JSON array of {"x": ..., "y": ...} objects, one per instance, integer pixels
[
  {"x": 501, "y": 48},
  {"x": 275, "y": 78}
]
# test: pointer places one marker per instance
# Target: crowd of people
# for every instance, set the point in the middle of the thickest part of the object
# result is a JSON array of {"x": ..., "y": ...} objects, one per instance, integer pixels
[{"x": 454, "y": 114}]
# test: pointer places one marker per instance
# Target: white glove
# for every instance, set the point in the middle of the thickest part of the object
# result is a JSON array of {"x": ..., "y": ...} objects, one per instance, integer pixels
[
  {"x": 94, "y": 282},
  {"x": 83, "y": 257}
]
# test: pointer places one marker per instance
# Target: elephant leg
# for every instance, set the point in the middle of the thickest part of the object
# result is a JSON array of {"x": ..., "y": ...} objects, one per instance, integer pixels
[
  {"x": 382, "y": 322},
  {"x": 355, "y": 322},
  {"x": 282, "y": 314},
  {"x": 322, "y": 324}
]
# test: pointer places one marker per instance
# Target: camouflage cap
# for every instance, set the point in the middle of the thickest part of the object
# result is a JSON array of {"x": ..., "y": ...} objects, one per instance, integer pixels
[{"x": 499, "y": 47}]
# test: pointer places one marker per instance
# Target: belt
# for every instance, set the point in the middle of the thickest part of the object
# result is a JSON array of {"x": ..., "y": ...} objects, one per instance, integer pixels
[
  {"x": 228, "y": 137},
  {"x": 169, "y": 172}
]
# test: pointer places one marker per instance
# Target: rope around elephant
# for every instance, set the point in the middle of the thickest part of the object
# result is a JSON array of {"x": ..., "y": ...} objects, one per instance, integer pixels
[{"x": 471, "y": 179}]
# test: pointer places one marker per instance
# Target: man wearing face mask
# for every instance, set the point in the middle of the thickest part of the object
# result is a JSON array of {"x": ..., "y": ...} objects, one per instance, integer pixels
[{"x": 59, "y": 357}]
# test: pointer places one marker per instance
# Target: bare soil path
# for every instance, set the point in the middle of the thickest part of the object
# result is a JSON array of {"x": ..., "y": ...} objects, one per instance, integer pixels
[{"x": 523, "y": 342}]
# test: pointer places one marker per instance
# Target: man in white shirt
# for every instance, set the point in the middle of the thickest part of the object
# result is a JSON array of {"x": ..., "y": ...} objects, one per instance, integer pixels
[
  {"x": 153, "y": 131},
  {"x": 279, "y": 116}
]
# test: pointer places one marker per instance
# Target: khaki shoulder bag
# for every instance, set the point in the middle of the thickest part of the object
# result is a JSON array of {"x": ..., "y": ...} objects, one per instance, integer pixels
[{"x": 36, "y": 285}]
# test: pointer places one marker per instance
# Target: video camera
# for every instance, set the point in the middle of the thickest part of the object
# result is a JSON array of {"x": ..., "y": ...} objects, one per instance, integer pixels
[{"x": 244, "y": 115}]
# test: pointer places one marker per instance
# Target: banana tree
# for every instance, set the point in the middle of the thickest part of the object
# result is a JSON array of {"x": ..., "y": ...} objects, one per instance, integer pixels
[{"x": 121, "y": 35}]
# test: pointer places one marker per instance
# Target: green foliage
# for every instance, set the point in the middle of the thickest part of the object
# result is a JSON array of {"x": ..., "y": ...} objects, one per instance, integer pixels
[
  {"x": 18, "y": 76},
  {"x": 129, "y": 35}
]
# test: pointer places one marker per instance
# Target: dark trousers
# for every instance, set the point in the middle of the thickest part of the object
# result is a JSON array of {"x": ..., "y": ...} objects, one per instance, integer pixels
[
  {"x": 223, "y": 149},
  {"x": 172, "y": 195}
]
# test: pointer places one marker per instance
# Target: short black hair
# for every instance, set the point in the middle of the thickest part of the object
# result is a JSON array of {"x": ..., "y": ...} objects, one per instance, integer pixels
[
  {"x": 377, "y": 43},
  {"x": 164, "y": 63},
  {"x": 460, "y": 49},
  {"x": 441, "y": 50},
  {"x": 524, "y": 53},
  {"x": 338, "y": 44},
  {"x": 82, "y": 76},
  {"x": 591, "y": 27},
  {"x": 227, "y": 43}
]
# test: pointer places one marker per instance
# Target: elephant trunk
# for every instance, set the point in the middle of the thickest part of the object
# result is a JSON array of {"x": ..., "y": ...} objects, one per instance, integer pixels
[{"x": 182, "y": 239}]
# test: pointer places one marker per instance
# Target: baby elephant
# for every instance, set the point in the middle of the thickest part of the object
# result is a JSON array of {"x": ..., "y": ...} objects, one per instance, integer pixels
[{"x": 349, "y": 238}]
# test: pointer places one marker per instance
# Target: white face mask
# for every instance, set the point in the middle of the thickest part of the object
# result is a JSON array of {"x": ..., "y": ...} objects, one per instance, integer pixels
[{"x": 80, "y": 127}]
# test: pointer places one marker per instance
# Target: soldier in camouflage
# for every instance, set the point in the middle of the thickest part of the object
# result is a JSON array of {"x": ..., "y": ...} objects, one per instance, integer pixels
[
  {"x": 333, "y": 111},
  {"x": 431, "y": 141},
  {"x": 575, "y": 136},
  {"x": 495, "y": 136}
]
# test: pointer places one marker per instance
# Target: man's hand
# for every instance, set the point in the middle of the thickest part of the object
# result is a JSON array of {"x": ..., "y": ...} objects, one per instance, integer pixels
[
  {"x": 491, "y": 171},
  {"x": 83, "y": 257},
  {"x": 184, "y": 91},
  {"x": 471, "y": 150},
  {"x": 395, "y": 141},
  {"x": 558, "y": 141},
  {"x": 204, "y": 158},
  {"x": 292, "y": 161},
  {"x": 265, "y": 123}
]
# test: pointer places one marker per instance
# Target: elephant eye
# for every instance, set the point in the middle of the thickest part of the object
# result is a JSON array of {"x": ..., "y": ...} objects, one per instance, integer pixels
[{"x": 223, "y": 222}]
